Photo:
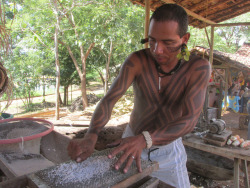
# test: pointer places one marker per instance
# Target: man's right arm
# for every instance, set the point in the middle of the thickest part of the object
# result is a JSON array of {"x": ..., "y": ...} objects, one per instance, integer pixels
[{"x": 80, "y": 149}]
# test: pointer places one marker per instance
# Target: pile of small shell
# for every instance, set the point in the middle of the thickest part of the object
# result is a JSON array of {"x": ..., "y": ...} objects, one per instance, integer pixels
[{"x": 237, "y": 141}]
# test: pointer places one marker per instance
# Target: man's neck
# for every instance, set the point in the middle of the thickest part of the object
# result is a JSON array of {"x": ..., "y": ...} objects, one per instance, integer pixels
[{"x": 169, "y": 66}]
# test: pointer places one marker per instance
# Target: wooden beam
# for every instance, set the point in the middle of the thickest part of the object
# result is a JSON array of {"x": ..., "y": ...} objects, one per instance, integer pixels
[
  {"x": 147, "y": 15},
  {"x": 203, "y": 4},
  {"x": 213, "y": 7},
  {"x": 223, "y": 12},
  {"x": 226, "y": 87},
  {"x": 198, "y": 5},
  {"x": 212, "y": 46},
  {"x": 236, "y": 173},
  {"x": 207, "y": 37},
  {"x": 193, "y": 14},
  {"x": 231, "y": 24},
  {"x": 222, "y": 17}
]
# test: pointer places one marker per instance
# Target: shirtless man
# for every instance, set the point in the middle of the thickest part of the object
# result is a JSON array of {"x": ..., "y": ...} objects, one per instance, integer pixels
[{"x": 168, "y": 98}]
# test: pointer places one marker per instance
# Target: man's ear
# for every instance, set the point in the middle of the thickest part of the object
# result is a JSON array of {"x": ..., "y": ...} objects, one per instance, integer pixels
[{"x": 185, "y": 38}]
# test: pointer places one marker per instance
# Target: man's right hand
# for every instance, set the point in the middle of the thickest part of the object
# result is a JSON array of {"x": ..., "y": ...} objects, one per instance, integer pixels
[{"x": 81, "y": 149}]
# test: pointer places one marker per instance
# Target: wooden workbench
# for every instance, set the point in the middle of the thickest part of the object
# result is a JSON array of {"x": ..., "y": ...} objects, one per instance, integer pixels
[{"x": 236, "y": 153}]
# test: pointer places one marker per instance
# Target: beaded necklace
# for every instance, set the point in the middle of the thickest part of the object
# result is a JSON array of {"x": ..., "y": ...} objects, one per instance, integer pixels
[{"x": 173, "y": 71}]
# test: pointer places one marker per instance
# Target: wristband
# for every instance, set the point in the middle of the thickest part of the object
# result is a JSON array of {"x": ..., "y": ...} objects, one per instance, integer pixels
[{"x": 147, "y": 138}]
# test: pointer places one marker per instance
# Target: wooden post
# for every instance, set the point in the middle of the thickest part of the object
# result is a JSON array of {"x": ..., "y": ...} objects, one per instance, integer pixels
[
  {"x": 212, "y": 46},
  {"x": 220, "y": 101},
  {"x": 71, "y": 94},
  {"x": 226, "y": 86},
  {"x": 236, "y": 173},
  {"x": 205, "y": 112},
  {"x": 147, "y": 15},
  {"x": 245, "y": 170}
]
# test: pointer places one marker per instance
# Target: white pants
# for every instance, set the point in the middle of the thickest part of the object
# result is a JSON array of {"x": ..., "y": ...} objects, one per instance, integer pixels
[{"x": 172, "y": 160}]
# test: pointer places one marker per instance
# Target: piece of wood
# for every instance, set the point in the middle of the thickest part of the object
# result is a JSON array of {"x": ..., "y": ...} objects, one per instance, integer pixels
[
  {"x": 54, "y": 147},
  {"x": 214, "y": 142},
  {"x": 209, "y": 171},
  {"x": 127, "y": 182},
  {"x": 232, "y": 24},
  {"x": 226, "y": 87},
  {"x": 222, "y": 137},
  {"x": 245, "y": 170},
  {"x": 164, "y": 185},
  {"x": 209, "y": 165},
  {"x": 193, "y": 14},
  {"x": 147, "y": 15},
  {"x": 236, "y": 173},
  {"x": 151, "y": 183},
  {"x": 220, "y": 99},
  {"x": 211, "y": 54},
  {"x": 227, "y": 151},
  {"x": 18, "y": 164}
]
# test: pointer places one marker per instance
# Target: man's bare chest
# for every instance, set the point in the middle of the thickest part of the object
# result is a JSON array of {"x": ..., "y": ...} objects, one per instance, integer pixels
[{"x": 151, "y": 86}]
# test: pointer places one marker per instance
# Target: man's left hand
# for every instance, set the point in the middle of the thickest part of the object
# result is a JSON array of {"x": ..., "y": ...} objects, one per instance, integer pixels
[{"x": 132, "y": 148}]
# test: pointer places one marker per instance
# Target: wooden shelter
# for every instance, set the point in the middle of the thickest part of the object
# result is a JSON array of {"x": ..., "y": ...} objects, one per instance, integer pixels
[
  {"x": 238, "y": 62},
  {"x": 202, "y": 13}
]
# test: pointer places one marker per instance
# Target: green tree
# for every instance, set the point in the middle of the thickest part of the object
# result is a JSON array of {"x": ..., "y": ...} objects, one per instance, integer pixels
[
  {"x": 226, "y": 39},
  {"x": 116, "y": 38},
  {"x": 68, "y": 72}
]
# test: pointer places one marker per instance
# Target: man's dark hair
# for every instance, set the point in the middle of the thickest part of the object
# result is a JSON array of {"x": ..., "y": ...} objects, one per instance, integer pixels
[{"x": 172, "y": 12}]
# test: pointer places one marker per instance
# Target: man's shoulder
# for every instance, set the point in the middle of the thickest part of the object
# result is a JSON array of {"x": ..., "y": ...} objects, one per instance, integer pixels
[
  {"x": 141, "y": 53},
  {"x": 138, "y": 57}
]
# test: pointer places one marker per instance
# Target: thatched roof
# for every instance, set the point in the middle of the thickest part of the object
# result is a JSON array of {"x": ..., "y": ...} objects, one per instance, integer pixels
[
  {"x": 239, "y": 60},
  {"x": 244, "y": 50},
  {"x": 214, "y": 11}
]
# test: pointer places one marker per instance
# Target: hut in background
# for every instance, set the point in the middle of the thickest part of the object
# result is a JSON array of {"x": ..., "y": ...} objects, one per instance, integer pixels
[{"x": 232, "y": 73}]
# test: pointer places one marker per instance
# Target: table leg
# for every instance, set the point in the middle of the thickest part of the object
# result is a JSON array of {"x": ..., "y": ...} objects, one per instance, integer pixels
[
  {"x": 245, "y": 170},
  {"x": 248, "y": 129},
  {"x": 236, "y": 173}
]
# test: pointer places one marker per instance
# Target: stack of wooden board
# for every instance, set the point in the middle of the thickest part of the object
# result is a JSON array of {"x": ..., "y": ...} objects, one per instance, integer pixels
[{"x": 217, "y": 139}]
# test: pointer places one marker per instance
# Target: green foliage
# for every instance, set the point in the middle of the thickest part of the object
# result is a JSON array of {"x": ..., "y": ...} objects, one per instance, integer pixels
[
  {"x": 123, "y": 24},
  {"x": 226, "y": 39},
  {"x": 98, "y": 21},
  {"x": 68, "y": 73}
]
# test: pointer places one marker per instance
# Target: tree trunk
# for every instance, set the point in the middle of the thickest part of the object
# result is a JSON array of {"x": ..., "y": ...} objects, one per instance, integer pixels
[
  {"x": 102, "y": 78},
  {"x": 60, "y": 100},
  {"x": 84, "y": 93},
  {"x": 57, "y": 59},
  {"x": 107, "y": 68},
  {"x": 44, "y": 89},
  {"x": 29, "y": 99},
  {"x": 64, "y": 95},
  {"x": 82, "y": 74},
  {"x": 67, "y": 96}
]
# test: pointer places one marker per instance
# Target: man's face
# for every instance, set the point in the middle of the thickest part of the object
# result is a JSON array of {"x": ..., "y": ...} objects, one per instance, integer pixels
[{"x": 164, "y": 41}]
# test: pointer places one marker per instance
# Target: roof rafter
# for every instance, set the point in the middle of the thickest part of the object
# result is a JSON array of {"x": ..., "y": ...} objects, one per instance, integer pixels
[
  {"x": 202, "y": 13},
  {"x": 192, "y": 13}
]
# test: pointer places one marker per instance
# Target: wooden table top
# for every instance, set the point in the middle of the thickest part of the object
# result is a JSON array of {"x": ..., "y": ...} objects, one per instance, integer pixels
[{"x": 227, "y": 151}]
